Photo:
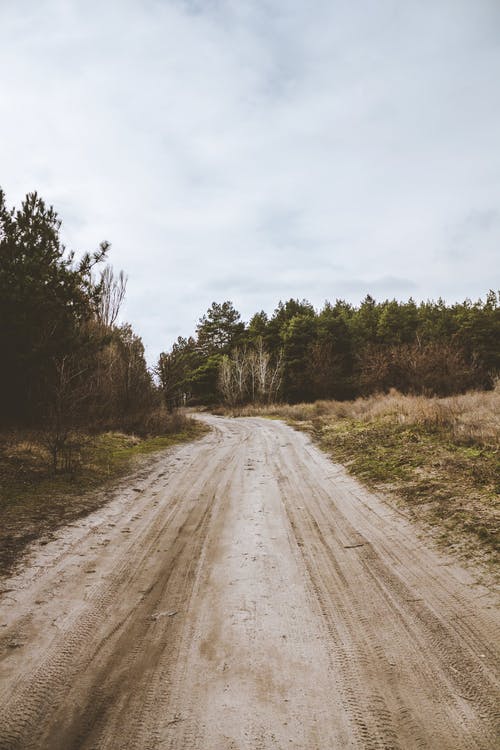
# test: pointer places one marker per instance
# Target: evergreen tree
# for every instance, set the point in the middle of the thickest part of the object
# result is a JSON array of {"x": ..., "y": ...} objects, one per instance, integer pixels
[
  {"x": 219, "y": 329},
  {"x": 45, "y": 300}
]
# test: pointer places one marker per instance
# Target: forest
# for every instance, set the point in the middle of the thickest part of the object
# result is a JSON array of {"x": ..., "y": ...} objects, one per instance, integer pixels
[
  {"x": 343, "y": 351},
  {"x": 69, "y": 364}
]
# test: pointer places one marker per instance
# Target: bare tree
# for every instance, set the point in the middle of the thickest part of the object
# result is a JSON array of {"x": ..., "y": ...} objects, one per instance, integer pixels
[
  {"x": 233, "y": 376},
  {"x": 265, "y": 373},
  {"x": 250, "y": 375},
  {"x": 112, "y": 290},
  {"x": 239, "y": 360},
  {"x": 274, "y": 378},
  {"x": 71, "y": 391}
]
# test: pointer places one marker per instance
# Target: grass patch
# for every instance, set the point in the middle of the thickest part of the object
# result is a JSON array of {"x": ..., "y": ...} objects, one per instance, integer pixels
[
  {"x": 437, "y": 480},
  {"x": 34, "y": 501}
]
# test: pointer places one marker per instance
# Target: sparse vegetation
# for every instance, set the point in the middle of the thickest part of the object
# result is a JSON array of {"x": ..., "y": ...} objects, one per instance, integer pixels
[
  {"x": 34, "y": 501},
  {"x": 438, "y": 458},
  {"x": 68, "y": 366},
  {"x": 77, "y": 400}
]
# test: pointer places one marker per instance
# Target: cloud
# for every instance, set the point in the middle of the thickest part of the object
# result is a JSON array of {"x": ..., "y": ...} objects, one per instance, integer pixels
[{"x": 259, "y": 149}]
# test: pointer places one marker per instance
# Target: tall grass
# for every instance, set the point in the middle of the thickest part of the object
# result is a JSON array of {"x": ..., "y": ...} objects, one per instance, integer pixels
[{"x": 472, "y": 418}]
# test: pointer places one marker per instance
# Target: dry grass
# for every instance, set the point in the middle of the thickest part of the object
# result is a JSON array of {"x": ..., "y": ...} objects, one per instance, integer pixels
[
  {"x": 470, "y": 419},
  {"x": 34, "y": 501},
  {"x": 438, "y": 458}
]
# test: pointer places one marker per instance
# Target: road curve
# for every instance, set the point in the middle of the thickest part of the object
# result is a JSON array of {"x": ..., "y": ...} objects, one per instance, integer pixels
[{"x": 246, "y": 594}]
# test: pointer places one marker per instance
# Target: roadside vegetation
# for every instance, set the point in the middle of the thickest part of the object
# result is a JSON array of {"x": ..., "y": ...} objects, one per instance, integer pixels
[
  {"x": 401, "y": 393},
  {"x": 68, "y": 364},
  {"x": 35, "y": 500},
  {"x": 77, "y": 400},
  {"x": 438, "y": 459}
]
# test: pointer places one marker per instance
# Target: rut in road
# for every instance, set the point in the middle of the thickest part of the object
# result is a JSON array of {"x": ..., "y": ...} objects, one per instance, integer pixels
[{"x": 246, "y": 594}]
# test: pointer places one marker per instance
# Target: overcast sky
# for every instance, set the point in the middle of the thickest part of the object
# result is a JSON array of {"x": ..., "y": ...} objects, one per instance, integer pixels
[{"x": 257, "y": 150}]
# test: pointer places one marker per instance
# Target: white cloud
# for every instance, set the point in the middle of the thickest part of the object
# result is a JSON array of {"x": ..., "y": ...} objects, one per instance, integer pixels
[{"x": 260, "y": 149}]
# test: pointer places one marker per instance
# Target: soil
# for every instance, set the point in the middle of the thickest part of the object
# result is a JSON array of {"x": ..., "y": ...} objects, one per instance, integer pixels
[{"x": 246, "y": 594}]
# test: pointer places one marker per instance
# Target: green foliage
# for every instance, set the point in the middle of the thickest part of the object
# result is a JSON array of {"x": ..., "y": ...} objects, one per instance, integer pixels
[
  {"x": 66, "y": 365},
  {"x": 46, "y": 298},
  {"x": 297, "y": 335},
  {"x": 220, "y": 329},
  {"x": 343, "y": 351},
  {"x": 331, "y": 355},
  {"x": 175, "y": 369},
  {"x": 397, "y": 323},
  {"x": 203, "y": 380},
  {"x": 258, "y": 326}
]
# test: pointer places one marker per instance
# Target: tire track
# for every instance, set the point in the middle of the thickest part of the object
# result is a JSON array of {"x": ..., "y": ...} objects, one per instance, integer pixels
[
  {"x": 247, "y": 594},
  {"x": 459, "y": 679}
]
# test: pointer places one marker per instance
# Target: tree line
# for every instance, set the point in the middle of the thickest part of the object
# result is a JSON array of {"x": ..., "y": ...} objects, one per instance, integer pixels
[
  {"x": 341, "y": 351},
  {"x": 67, "y": 363}
]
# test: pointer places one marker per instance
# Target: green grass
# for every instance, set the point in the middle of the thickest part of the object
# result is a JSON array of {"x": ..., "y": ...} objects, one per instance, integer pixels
[
  {"x": 438, "y": 480},
  {"x": 112, "y": 453},
  {"x": 34, "y": 501}
]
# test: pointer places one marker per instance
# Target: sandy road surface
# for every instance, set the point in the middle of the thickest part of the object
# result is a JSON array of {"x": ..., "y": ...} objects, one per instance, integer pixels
[{"x": 246, "y": 594}]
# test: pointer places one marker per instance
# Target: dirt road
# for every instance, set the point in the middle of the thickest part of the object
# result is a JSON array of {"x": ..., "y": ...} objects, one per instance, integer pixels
[{"x": 246, "y": 594}]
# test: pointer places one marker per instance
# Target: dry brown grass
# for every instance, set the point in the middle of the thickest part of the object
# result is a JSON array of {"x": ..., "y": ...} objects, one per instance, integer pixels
[{"x": 472, "y": 418}]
